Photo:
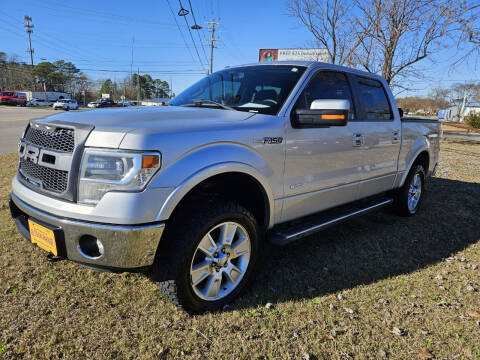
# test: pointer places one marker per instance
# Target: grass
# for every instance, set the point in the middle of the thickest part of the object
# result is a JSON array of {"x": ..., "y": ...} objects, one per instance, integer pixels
[{"x": 379, "y": 286}]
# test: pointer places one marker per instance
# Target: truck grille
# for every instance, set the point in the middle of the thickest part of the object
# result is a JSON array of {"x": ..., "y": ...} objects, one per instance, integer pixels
[
  {"x": 60, "y": 139},
  {"x": 52, "y": 179}
]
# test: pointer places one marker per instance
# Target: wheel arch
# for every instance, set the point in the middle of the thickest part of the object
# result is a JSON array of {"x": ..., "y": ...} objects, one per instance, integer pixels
[
  {"x": 421, "y": 156},
  {"x": 235, "y": 180}
]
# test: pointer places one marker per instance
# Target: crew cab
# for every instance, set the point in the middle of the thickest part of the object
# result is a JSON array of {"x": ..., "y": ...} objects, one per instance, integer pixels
[
  {"x": 263, "y": 152},
  {"x": 13, "y": 98}
]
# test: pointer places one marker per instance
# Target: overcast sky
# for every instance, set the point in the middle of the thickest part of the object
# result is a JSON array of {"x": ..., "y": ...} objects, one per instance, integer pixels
[{"x": 97, "y": 37}]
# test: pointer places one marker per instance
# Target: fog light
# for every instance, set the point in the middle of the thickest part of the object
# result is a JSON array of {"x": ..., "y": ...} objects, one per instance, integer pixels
[{"x": 90, "y": 247}]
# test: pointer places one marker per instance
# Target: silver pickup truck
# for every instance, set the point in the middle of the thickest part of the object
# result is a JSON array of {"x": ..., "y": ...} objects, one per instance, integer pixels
[{"x": 262, "y": 152}]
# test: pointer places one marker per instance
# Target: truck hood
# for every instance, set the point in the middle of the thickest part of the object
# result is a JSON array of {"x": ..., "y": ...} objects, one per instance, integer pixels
[{"x": 111, "y": 125}]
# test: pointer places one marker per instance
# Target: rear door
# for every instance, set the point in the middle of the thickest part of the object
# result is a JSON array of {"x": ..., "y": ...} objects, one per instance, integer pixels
[{"x": 380, "y": 129}]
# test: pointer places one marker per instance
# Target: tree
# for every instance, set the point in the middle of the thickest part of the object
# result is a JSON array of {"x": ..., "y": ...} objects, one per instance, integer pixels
[
  {"x": 330, "y": 22},
  {"x": 45, "y": 74},
  {"x": 388, "y": 37},
  {"x": 403, "y": 32},
  {"x": 106, "y": 87}
]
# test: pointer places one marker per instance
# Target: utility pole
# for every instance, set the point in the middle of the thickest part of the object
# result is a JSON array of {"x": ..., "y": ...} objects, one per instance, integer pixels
[
  {"x": 29, "y": 29},
  {"x": 138, "y": 85},
  {"x": 212, "y": 40},
  {"x": 462, "y": 110},
  {"x": 131, "y": 67}
]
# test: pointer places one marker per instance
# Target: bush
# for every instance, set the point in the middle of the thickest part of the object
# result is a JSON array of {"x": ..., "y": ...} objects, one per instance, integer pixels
[{"x": 473, "y": 120}]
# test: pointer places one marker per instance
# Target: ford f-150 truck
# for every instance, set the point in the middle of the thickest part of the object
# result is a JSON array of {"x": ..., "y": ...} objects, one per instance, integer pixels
[{"x": 254, "y": 153}]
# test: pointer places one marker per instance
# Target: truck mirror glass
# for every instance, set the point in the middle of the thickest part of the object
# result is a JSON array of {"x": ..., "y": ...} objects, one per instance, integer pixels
[{"x": 322, "y": 113}]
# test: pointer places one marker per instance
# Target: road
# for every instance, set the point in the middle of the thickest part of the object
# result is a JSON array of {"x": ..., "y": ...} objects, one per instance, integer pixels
[{"x": 13, "y": 121}]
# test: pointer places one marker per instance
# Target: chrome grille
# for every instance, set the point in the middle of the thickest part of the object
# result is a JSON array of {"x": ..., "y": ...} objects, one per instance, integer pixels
[
  {"x": 60, "y": 139},
  {"x": 52, "y": 179}
]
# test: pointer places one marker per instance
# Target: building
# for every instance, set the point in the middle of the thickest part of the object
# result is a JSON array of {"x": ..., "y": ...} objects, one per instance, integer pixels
[{"x": 452, "y": 112}]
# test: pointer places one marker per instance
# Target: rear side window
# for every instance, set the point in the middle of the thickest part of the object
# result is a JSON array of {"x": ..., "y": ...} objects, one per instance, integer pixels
[
  {"x": 375, "y": 101},
  {"x": 324, "y": 86}
]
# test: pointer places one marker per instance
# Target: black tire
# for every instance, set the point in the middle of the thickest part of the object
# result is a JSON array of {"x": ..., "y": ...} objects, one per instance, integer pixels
[
  {"x": 177, "y": 248},
  {"x": 401, "y": 195}
]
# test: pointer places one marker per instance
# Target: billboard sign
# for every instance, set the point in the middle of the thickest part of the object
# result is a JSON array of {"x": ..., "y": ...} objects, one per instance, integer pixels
[{"x": 266, "y": 55}]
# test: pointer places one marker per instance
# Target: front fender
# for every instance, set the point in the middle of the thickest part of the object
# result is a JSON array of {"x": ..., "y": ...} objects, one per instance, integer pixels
[{"x": 200, "y": 164}]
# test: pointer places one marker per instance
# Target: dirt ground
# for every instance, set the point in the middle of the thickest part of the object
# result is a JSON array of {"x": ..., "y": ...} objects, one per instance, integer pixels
[{"x": 379, "y": 286}]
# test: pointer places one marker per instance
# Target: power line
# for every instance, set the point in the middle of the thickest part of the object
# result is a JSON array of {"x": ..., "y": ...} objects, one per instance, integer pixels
[
  {"x": 198, "y": 27},
  {"x": 180, "y": 30},
  {"x": 184, "y": 13}
]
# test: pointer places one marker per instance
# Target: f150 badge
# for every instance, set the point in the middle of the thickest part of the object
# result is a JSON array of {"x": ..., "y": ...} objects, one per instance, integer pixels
[{"x": 269, "y": 140}]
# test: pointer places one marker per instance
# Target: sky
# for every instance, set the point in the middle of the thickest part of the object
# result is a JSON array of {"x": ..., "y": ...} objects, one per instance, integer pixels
[{"x": 97, "y": 36}]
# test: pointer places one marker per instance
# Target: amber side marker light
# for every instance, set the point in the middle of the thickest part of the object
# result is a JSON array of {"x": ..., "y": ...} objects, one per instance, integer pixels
[
  {"x": 333, "y": 117},
  {"x": 150, "y": 161}
]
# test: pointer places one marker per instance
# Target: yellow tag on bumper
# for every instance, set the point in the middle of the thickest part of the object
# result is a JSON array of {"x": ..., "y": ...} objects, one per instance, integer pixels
[{"x": 43, "y": 237}]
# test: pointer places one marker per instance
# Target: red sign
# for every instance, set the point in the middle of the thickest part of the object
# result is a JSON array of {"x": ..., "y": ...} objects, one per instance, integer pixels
[{"x": 268, "y": 55}]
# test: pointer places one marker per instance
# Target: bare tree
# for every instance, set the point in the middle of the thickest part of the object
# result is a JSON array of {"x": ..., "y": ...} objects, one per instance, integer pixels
[
  {"x": 330, "y": 22},
  {"x": 470, "y": 24},
  {"x": 401, "y": 33},
  {"x": 388, "y": 37}
]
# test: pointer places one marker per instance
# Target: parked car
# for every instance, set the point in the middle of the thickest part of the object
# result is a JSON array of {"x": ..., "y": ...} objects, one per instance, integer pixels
[
  {"x": 93, "y": 104},
  {"x": 65, "y": 104},
  {"x": 40, "y": 102},
  {"x": 263, "y": 152},
  {"x": 13, "y": 98}
]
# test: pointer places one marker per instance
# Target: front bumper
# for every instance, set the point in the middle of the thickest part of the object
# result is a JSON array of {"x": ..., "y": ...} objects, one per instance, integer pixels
[{"x": 124, "y": 246}]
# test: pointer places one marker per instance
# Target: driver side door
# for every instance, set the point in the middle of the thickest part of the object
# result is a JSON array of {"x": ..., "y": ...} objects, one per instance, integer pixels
[{"x": 322, "y": 162}]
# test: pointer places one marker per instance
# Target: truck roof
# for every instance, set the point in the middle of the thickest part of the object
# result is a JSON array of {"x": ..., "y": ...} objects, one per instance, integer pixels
[{"x": 312, "y": 64}]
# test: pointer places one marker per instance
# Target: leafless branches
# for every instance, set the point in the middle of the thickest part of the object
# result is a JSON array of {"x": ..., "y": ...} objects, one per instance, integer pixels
[
  {"x": 383, "y": 36},
  {"x": 330, "y": 23}
]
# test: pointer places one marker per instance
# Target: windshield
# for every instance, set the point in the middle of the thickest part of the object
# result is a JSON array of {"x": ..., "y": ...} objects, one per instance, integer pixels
[
  {"x": 63, "y": 101},
  {"x": 259, "y": 89}
]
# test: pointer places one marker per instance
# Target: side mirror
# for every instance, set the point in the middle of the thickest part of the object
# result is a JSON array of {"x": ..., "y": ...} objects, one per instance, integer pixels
[{"x": 331, "y": 112}]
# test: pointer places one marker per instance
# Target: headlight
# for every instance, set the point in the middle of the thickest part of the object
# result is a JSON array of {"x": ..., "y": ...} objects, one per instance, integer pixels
[{"x": 102, "y": 171}]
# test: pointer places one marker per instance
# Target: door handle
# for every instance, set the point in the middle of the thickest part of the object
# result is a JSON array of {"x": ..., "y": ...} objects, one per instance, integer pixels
[
  {"x": 358, "y": 139},
  {"x": 395, "y": 135}
]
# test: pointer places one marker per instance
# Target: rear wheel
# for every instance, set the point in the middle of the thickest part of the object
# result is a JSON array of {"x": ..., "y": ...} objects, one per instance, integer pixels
[
  {"x": 409, "y": 197},
  {"x": 208, "y": 256}
]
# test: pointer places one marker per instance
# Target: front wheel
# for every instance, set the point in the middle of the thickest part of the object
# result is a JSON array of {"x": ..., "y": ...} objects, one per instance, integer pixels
[
  {"x": 409, "y": 197},
  {"x": 205, "y": 263}
]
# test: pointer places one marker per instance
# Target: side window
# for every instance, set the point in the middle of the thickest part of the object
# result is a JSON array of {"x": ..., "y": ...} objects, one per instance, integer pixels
[
  {"x": 375, "y": 101},
  {"x": 326, "y": 85}
]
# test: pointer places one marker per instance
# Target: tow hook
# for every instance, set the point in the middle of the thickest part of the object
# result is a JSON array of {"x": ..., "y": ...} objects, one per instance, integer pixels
[{"x": 52, "y": 258}]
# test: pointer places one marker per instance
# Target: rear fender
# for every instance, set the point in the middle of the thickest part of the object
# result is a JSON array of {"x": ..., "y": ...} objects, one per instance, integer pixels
[{"x": 420, "y": 145}]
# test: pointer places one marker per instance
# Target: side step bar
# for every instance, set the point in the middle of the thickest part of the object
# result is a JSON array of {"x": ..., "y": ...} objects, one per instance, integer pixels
[{"x": 301, "y": 228}]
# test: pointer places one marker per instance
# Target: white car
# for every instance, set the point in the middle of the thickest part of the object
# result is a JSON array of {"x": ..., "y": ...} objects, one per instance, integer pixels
[
  {"x": 66, "y": 104},
  {"x": 93, "y": 104},
  {"x": 40, "y": 102}
]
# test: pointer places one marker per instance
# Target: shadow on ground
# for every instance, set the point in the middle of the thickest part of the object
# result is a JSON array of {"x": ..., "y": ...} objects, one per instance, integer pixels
[{"x": 370, "y": 248}]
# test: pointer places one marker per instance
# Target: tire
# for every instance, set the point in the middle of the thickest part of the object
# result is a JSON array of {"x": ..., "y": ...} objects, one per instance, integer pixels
[
  {"x": 180, "y": 260},
  {"x": 409, "y": 197}
]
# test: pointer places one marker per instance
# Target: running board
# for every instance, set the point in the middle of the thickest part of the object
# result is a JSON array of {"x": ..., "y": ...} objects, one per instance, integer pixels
[{"x": 301, "y": 228}]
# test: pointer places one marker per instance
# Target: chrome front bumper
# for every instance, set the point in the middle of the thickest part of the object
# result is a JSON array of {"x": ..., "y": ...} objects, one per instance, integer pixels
[{"x": 124, "y": 246}]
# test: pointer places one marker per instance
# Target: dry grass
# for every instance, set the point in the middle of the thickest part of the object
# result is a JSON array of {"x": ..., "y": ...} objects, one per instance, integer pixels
[{"x": 379, "y": 286}]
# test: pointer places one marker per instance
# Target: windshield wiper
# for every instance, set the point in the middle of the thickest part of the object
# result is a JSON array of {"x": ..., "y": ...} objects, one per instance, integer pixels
[{"x": 200, "y": 103}]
